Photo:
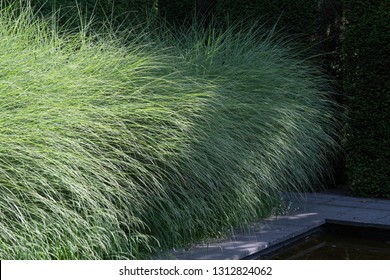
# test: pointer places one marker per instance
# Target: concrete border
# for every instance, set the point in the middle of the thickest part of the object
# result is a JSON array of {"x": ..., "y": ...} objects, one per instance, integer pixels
[{"x": 307, "y": 211}]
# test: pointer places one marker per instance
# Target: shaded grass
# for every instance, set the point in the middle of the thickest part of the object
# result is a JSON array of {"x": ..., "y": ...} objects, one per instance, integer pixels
[{"x": 115, "y": 149}]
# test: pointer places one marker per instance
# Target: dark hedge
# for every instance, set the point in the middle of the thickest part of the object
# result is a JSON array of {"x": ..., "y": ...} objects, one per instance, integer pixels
[{"x": 366, "y": 49}]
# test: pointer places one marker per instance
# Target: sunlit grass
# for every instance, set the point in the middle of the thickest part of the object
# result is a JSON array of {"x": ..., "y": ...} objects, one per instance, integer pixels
[{"x": 114, "y": 148}]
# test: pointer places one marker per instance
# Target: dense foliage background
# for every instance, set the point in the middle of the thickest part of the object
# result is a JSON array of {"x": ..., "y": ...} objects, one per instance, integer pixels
[{"x": 366, "y": 52}]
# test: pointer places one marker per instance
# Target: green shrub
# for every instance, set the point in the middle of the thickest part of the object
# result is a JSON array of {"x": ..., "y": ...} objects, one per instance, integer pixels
[
  {"x": 114, "y": 149},
  {"x": 366, "y": 50}
]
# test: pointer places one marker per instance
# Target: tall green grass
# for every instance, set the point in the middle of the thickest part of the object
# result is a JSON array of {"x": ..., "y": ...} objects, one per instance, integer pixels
[{"x": 121, "y": 148}]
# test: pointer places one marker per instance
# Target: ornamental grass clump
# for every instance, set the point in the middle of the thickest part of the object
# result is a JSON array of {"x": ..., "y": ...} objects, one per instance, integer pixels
[
  {"x": 117, "y": 149},
  {"x": 271, "y": 126},
  {"x": 86, "y": 127}
]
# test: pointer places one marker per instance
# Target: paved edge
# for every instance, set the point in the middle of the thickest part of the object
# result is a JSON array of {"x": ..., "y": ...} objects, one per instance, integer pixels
[{"x": 306, "y": 211}]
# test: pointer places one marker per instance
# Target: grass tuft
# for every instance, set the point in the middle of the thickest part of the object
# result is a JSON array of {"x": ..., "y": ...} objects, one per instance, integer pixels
[{"x": 114, "y": 149}]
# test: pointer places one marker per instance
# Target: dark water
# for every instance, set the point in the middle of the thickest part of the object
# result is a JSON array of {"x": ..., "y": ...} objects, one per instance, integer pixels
[{"x": 337, "y": 242}]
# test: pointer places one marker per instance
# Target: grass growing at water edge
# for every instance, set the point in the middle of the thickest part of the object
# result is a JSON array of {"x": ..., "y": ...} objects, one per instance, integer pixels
[{"x": 113, "y": 149}]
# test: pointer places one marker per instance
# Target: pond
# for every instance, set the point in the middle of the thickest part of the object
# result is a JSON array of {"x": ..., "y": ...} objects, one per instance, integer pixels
[{"x": 334, "y": 241}]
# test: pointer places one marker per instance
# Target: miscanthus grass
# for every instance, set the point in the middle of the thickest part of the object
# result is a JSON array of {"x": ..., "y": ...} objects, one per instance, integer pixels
[{"x": 121, "y": 148}]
